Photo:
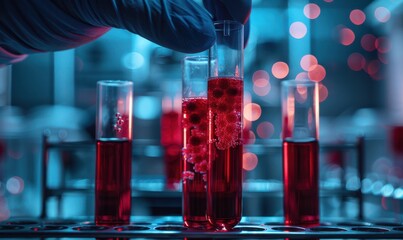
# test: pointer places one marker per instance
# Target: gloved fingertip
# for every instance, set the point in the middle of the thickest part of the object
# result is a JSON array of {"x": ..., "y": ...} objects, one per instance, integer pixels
[
  {"x": 193, "y": 34},
  {"x": 200, "y": 42}
]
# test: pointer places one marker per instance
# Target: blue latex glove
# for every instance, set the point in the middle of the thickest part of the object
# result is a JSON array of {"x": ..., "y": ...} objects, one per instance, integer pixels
[{"x": 29, "y": 26}]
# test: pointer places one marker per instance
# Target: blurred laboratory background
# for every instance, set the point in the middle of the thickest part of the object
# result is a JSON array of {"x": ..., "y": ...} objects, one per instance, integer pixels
[{"x": 353, "y": 49}]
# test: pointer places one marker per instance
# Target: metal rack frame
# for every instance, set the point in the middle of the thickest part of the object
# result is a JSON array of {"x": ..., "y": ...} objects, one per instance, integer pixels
[{"x": 47, "y": 192}]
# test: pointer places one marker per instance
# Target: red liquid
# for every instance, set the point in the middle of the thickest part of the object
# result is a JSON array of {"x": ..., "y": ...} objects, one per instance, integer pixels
[
  {"x": 171, "y": 140},
  {"x": 170, "y": 128},
  {"x": 396, "y": 147},
  {"x": 112, "y": 182},
  {"x": 301, "y": 188},
  {"x": 396, "y": 140},
  {"x": 224, "y": 196},
  {"x": 195, "y": 157}
]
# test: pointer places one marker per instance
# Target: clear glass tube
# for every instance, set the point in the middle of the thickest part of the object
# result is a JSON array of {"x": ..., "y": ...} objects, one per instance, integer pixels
[
  {"x": 195, "y": 149},
  {"x": 225, "y": 104},
  {"x": 113, "y": 152},
  {"x": 300, "y": 120}
]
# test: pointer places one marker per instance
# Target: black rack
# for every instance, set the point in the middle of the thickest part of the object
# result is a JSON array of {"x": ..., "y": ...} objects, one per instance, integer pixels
[{"x": 172, "y": 228}]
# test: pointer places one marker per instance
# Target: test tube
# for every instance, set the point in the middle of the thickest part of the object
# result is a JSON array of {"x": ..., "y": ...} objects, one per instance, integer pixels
[
  {"x": 195, "y": 136},
  {"x": 171, "y": 133},
  {"x": 113, "y": 152},
  {"x": 225, "y": 105},
  {"x": 300, "y": 121}
]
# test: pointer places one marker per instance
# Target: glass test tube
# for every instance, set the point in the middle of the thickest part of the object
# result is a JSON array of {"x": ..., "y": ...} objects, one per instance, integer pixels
[
  {"x": 195, "y": 136},
  {"x": 225, "y": 105},
  {"x": 300, "y": 117},
  {"x": 171, "y": 133},
  {"x": 113, "y": 152}
]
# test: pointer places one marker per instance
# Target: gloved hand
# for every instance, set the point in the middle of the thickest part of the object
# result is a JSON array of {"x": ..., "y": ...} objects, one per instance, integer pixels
[
  {"x": 237, "y": 10},
  {"x": 29, "y": 26}
]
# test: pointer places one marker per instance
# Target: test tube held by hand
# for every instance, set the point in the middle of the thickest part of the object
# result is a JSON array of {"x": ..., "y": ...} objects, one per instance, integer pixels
[
  {"x": 113, "y": 152},
  {"x": 300, "y": 114},
  {"x": 225, "y": 105}
]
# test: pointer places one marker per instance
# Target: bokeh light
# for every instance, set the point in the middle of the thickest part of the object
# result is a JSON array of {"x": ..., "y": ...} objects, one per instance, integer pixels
[
  {"x": 383, "y": 58},
  {"x": 252, "y": 137},
  {"x": 133, "y": 60},
  {"x": 323, "y": 92},
  {"x": 311, "y": 10},
  {"x": 368, "y": 42},
  {"x": 317, "y": 73},
  {"x": 382, "y": 14},
  {"x": 356, "y": 61},
  {"x": 261, "y": 91},
  {"x": 265, "y": 130},
  {"x": 382, "y": 44},
  {"x": 373, "y": 67},
  {"x": 347, "y": 36},
  {"x": 302, "y": 94},
  {"x": 298, "y": 30},
  {"x": 328, "y": 1},
  {"x": 280, "y": 70},
  {"x": 307, "y": 61},
  {"x": 302, "y": 76},
  {"x": 252, "y": 111},
  {"x": 357, "y": 17},
  {"x": 15, "y": 185},
  {"x": 260, "y": 78},
  {"x": 250, "y": 161}
]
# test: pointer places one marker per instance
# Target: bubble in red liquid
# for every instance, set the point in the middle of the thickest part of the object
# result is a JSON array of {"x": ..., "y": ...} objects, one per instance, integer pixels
[
  {"x": 232, "y": 91},
  {"x": 217, "y": 93},
  {"x": 194, "y": 164},
  {"x": 190, "y": 106},
  {"x": 188, "y": 175},
  {"x": 194, "y": 118},
  {"x": 198, "y": 158},
  {"x": 120, "y": 121},
  {"x": 222, "y": 107},
  {"x": 195, "y": 140},
  {"x": 231, "y": 117},
  {"x": 200, "y": 167},
  {"x": 226, "y": 111}
]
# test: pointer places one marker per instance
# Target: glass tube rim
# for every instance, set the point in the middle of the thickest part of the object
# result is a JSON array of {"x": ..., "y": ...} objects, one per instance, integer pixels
[
  {"x": 114, "y": 82},
  {"x": 219, "y": 25},
  {"x": 196, "y": 58},
  {"x": 300, "y": 82}
]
